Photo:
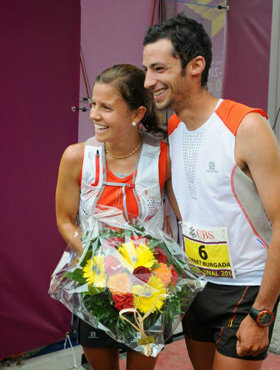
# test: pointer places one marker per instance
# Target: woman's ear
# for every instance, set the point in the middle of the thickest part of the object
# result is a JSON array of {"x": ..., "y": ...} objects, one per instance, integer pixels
[
  {"x": 140, "y": 113},
  {"x": 196, "y": 65}
]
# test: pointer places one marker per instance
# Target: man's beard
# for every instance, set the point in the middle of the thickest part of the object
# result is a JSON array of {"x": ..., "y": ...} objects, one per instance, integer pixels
[{"x": 168, "y": 105}]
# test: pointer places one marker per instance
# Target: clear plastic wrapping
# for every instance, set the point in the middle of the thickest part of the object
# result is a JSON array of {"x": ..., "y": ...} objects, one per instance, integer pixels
[{"x": 130, "y": 282}]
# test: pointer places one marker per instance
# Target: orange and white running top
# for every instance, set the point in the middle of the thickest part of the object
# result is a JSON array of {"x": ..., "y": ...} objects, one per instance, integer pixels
[
  {"x": 225, "y": 230},
  {"x": 138, "y": 195}
]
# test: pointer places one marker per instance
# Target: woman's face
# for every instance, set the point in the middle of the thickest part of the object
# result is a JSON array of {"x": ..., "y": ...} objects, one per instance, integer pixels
[{"x": 110, "y": 114}]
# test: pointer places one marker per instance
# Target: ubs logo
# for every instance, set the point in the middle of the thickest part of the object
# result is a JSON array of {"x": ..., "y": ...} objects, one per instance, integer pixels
[
  {"x": 201, "y": 234},
  {"x": 192, "y": 232}
]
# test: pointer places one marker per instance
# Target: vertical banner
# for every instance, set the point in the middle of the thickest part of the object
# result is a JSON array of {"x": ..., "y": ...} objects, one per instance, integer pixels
[
  {"x": 212, "y": 14},
  {"x": 247, "y": 52},
  {"x": 112, "y": 32}
]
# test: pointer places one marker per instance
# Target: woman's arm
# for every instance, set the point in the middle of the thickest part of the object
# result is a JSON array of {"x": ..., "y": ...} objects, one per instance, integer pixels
[{"x": 68, "y": 194}]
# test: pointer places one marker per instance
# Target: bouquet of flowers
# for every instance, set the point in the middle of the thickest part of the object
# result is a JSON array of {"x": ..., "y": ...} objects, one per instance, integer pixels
[{"x": 130, "y": 282}]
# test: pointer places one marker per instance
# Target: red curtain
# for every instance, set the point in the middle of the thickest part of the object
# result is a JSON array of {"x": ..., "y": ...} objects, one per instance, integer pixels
[{"x": 40, "y": 43}]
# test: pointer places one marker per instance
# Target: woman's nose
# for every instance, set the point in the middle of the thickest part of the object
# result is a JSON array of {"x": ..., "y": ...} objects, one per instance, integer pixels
[{"x": 94, "y": 114}]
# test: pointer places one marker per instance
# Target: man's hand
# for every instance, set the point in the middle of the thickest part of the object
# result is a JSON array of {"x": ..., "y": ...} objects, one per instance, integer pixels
[{"x": 251, "y": 339}]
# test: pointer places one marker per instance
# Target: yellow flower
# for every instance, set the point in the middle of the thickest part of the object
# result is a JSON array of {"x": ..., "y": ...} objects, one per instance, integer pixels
[
  {"x": 164, "y": 273},
  {"x": 132, "y": 257},
  {"x": 94, "y": 272},
  {"x": 119, "y": 283},
  {"x": 150, "y": 296}
]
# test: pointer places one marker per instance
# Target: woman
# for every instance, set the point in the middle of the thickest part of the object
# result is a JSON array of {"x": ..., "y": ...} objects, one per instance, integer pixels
[{"x": 121, "y": 167}]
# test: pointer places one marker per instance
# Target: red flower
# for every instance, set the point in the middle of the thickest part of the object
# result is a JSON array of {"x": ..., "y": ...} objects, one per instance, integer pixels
[
  {"x": 174, "y": 277},
  {"x": 112, "y": 265},
  {"x": 123, "y": 301},
  {"x": 160, "y": 255},
  {"x": 137, "y": 240},
  {"x": 142, "y": 273},
  {"x": 115, "y": 242}
]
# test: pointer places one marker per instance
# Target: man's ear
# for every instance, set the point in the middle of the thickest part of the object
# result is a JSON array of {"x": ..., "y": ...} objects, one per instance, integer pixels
[{"x": 196, "y": 65}]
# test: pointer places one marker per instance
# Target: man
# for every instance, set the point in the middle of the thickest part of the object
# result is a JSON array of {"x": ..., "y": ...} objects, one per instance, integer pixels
[{"x": 226, "y": 179}]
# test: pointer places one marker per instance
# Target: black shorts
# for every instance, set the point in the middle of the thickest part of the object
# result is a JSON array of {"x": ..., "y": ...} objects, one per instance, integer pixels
[
  {"x": 88, "y": 336},
  {"x": 215, "y": 316}
]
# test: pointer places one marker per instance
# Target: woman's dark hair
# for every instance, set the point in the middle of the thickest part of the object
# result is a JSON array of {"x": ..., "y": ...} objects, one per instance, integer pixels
[
  {"x": 189, "y": 39},
  {"x": 129, "y": 81}
]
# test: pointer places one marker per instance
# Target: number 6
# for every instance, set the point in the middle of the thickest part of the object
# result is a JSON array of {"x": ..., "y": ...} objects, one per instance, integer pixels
[{"x": 202, "y": 252}]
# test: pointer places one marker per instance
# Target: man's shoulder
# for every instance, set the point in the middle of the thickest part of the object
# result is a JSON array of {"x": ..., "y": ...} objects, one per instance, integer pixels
[
  {"x": 232, "y": 113},
  {"x": 173, "y": 123}
]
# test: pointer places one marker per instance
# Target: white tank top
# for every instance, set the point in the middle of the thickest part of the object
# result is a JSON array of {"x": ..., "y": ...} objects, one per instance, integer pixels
[
  {"x": 146, "y": 186},
  {"x": 225, "y": 229}
]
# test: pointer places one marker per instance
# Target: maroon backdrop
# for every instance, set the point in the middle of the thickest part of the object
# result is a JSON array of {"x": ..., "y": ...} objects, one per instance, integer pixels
[
  {"x": 247, "y": 52},
  {"x": 40, "y": 43}
]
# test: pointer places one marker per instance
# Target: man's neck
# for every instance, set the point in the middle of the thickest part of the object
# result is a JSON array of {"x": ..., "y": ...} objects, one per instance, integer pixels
[{"x": 198, "y": 110}]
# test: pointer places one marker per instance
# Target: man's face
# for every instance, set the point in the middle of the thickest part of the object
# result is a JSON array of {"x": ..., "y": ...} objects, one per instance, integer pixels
[{"x": 164, "y": 75}]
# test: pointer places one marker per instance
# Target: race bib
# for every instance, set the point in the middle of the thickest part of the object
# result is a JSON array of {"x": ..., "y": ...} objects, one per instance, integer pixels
[{"x": 207, "y": 250}]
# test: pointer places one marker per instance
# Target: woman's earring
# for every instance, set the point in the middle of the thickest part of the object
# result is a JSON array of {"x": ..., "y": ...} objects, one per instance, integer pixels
[{"x": 134, "y": 123}]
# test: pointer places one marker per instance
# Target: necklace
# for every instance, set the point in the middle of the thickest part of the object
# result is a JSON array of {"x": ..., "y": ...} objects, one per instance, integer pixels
[{"x": 122, "y": 156}]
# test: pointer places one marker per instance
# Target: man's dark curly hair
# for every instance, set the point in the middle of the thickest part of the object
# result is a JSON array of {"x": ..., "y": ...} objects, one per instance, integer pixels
[{"x": 189, "y": 39}]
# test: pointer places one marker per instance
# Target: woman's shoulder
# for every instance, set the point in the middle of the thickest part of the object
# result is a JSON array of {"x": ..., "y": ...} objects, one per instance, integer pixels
[{"x": 74, "y": 154}]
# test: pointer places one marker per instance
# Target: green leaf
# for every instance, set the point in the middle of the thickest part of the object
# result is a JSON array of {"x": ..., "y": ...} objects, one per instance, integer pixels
[
  {"x": 86, "y": 258},
  {"x": 69, "y": 275},
  {"x": 93, "y": 290},
  {"x": 76, "y": 275}
]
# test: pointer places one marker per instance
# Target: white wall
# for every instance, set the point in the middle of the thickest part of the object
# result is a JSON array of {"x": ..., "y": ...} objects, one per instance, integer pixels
[{"x": 274, "y": 72}]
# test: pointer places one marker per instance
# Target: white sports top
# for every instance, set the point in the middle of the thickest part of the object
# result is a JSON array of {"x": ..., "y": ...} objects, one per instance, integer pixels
[
  {"x": 225, "y": 229},
  {"x": 145, "y": 184}
]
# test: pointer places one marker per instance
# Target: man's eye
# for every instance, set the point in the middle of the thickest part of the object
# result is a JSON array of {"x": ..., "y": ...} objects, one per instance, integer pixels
[{"x": 159, "y": 69}]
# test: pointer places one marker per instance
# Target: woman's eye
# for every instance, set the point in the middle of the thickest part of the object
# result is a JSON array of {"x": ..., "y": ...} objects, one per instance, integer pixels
[{"x": 107, "y": 108}]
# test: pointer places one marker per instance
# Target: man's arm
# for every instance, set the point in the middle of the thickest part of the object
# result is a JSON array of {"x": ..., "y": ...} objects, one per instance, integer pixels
[
  {"x": 169, "y": 188},
  {"x": 257, "y": 153}
]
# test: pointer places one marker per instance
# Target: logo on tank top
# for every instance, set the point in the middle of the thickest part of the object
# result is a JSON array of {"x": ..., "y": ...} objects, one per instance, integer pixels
[
  {"x": 150, "y": 155},
  {"x": 93, "y": 335},
  {"x": 211, "y": 167}
]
